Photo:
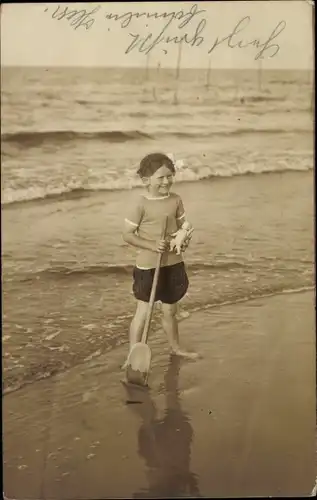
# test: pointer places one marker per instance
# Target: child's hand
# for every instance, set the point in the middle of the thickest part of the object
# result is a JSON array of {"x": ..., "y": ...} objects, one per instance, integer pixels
[
  {"x": 161, "y": 246},
  {"x": 190, "y": 234},
  {"x": 181, "y": 240},
  {"x": 187, "y": 240}
]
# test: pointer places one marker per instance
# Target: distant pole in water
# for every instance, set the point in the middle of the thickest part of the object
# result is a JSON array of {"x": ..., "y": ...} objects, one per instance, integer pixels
[
  {"x": 260, "y": 75},
  {"x": 147, "y": 66},
  {"x": 178, "y": 66},
  {"x": 154, "y": 89},
  {"x": 208, "y": 73},
  {"x": 179, "y": 57},
  {"x": 312, "y": 104}
]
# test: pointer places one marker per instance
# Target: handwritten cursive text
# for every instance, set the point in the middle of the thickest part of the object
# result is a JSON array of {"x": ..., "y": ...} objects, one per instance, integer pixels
[
  {"x": 177, "y": 20},
  {"x": 234, "y": 42},
  {"x": 173, "y": 27},
  {"x": 146, "y": 44},
  {"x": 186, "y": 17},
  {"x": 76, "y": 18}
]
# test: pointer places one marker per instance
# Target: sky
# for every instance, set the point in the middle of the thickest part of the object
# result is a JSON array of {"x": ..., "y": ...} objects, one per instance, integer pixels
[{"x": 32, "y": 36}]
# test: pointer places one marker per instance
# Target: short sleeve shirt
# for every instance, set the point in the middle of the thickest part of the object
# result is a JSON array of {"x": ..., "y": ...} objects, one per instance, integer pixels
[{"x": 147, "y": 215}]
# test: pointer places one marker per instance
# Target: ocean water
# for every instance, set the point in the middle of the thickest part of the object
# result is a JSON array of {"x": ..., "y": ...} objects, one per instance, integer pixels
[{"x": 71, "y": 143}]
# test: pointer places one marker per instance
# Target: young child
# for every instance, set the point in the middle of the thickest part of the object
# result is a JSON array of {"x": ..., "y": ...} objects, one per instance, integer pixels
[{"x": 142, "y": 230}]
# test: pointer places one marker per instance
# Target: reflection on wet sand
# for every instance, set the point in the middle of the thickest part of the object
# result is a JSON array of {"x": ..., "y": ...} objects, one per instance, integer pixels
[{"x": 165, "y": 443}]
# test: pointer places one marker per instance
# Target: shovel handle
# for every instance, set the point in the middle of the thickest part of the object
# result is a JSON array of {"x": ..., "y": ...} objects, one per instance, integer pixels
[{"x": 154, "y": 285}]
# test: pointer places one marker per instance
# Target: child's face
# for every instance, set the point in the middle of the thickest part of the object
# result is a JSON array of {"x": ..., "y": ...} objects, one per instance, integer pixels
[{"x": 159, "y": 184}]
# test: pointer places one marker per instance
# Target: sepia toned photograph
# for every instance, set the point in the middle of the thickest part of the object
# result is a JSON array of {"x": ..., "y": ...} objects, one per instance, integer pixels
[{"x": 158, "y": 274}]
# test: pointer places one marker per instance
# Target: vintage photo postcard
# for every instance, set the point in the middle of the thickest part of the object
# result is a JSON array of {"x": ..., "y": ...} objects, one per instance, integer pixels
[{"x": 158, "y": 249}]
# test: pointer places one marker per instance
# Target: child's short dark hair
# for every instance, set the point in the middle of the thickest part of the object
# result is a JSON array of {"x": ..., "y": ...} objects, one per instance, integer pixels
[{"x": 152, "y": 162}]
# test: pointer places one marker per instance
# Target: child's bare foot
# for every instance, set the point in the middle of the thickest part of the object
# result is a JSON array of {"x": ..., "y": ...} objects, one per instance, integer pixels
[
  {"x": 185, "y": 354},
  {"x": 182, "y": 315}
]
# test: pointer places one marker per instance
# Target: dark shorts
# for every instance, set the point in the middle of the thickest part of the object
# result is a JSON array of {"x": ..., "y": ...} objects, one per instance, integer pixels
[{"x": 172, "y": 283}]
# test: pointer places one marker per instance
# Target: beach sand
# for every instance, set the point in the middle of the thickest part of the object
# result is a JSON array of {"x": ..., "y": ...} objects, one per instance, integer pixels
[{"x": 239, "y": 422}]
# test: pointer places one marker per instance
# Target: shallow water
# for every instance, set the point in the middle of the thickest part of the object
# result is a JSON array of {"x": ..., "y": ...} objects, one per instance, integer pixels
[
  {"x": 65, "y": 302},
  {"x": 67, "y": 272}
]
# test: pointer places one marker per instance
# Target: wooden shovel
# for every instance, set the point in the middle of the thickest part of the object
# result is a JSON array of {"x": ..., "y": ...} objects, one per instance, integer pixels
[{"x": 139, "y": 359}]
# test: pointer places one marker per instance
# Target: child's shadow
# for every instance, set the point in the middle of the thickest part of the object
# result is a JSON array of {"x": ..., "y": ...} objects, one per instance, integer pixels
[{"x": 165, "y": 443}]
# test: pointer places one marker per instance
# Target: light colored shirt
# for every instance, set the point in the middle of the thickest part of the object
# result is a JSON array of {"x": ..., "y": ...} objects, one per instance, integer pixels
[{"x": 147, "y": 215}]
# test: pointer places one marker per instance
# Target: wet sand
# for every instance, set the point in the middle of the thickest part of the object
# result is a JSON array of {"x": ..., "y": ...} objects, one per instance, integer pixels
[{"x": 240, "y": 422}]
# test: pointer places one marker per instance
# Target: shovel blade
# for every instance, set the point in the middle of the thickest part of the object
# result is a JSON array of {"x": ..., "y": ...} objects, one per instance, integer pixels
[{"x": 138, "y": 364}]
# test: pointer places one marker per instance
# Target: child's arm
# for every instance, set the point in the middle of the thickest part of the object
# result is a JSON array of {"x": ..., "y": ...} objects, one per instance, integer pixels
[
  {"x": 182, "y": 222},
  {"x": 182, "y": 236},
  {"x": 131, "y": 225},
  {"x": 129, "y": 236}
]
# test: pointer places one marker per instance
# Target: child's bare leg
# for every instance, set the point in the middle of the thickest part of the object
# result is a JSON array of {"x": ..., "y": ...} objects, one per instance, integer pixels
[
  {"x": 181, "y": 314},
  {"x": 137, "y": 324},
  {"x": 170, "y": 326}
]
